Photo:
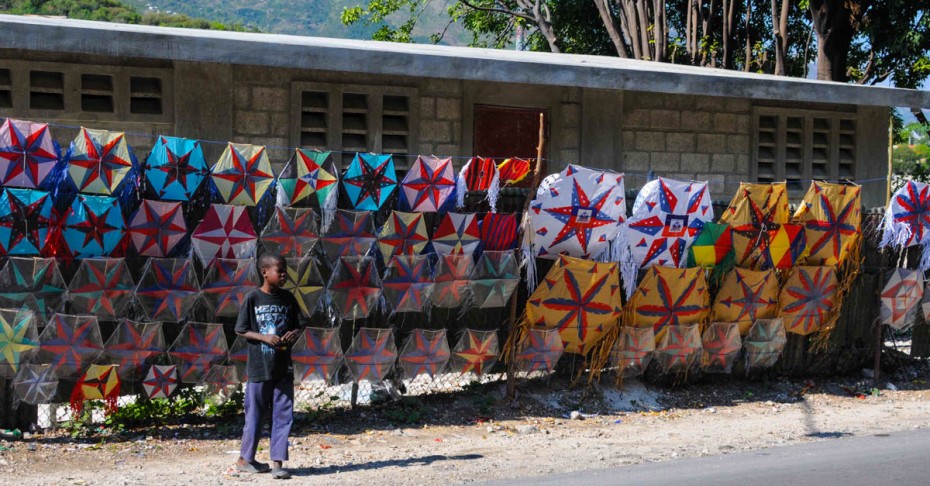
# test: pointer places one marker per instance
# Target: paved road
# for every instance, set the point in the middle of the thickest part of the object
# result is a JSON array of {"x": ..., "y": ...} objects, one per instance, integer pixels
[{"x": 898, "y": 458}]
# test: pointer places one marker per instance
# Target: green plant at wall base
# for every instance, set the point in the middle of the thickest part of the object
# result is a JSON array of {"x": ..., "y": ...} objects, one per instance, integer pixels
[
  {"x": 220, "y": 407},
  {"x": 407, "y": 410}
]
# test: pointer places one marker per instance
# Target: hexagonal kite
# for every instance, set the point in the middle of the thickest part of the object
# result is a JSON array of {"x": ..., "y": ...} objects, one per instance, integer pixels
[
  {"x": 102, "y": 287},
  {"x": 764, "y": 343},
  {"x": 371, "y": 355},
  {"x": 425, "y": 352},
  {"x": 94, "y": 226},
  {"x": 243, "y": 174},
  {"x": 498, "y": 232},
  {"x": 291, "y": 232},
  {"x": 175, "y": 168},
  {"x": 351, "y": 234},
  {"x": 476, "y": 352},
  {"x": 670, "y": 297},
  {"x": 168, "y": 289},
  {"x": 633, "y": 350},
  {"x": 722, "y": 344},
  {"x": 19, "y": 340},
  {"x": 156, "y": 228},
  {"x": 305, "y": 282},
  {"x": 99, "y": 382},
  {"x": 238, "y": 356},
  {"x": 754, "y": 210},
  {"x": 226, "y": 284},
  {"x": 807, "y": 301},
  {"x": 478, "y": 174},
  {"x": 317, "y": 355},
  {"x": 831, "y": 214},
  {"x": 369, "y": 181},
  {"x": 679, "y": 347},
  {"x": 428, "y": 186},
  {"x": 70, "y": 344},
  {"x": 407, "y": 283},
  {"x": 900, "y": 296},
  {"x": 403, "y": 234},
  {"x": 222, "y": 381},
  {"x": 711, "y": 247},
  {"x": 34, "y": 283},
  {"x": 25, "y": 221},
  {"x": 667, "y": 215},
  {"x": 457, "y": 233},
  {"x": 225, "y": 232},
  {"x": 199, "y": 346},
  {"x": 746, "y": 296},
  {"x": 494, "y": 278},
  {"x": 27, "y": 153},
  {"x": 514, "y": 170},
  {"x": 784, "y": 246},
  {"x": 354, "y": 287},
  {"x": 540, "y": 350},
  {"x": 309, "y": 173},
  {"x": 35, "y": 384},
  {"x": 99, "y": 161},
  {"x": 134, "y": 346},
  {"x": 907, "y": 219},
  {"x": 160, "y": 381},
  {"x": 451, "y": 277}
]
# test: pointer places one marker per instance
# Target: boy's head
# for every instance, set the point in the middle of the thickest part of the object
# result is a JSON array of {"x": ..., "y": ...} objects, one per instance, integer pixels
[{"x": 273, "y": 269}]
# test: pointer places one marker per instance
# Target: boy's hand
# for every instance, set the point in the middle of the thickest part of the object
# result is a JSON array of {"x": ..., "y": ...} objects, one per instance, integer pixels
[
  {"x": 290, "y": 337},
  {"x": 272, "y": 340}
]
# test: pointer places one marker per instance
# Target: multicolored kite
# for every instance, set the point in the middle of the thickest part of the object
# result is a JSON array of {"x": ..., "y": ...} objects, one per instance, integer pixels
[
  {"x": 99, "y": 382},
  {"x": 27, "y": 153},
  {"x": 540, "y": 350},
  {"x": 175, "y": 168},
  {"x": 746, "y": 296},
  {"x": 99, "y": 161},
  {"x": 134, "y": 346},
  {"x": 369, "y": 181},
  {"x": 426, "y": 352},
  {"x": 309, "y": 173},
  {"x": 157, "y": 227},
  {"x": 452, "y": 280},
  {"x": 579, "y": 298},
  {"x": 34, "y": 283},
  {"x": 102, "y": 287},
  {"x": 784, "y": 246},
  {"x": 305, "y": 282},
  {"x": 807, "y": 301},
  {"x": 243, "y": 174},
  {"x": 711, "y": 247},
  {"x": 494, "y": 279},
  {"x": 226, "y": 283},
  {"x": 25, "y": 219},
  {"x": 831, "y": 214},
  {"x": 754, "y": 210},
  {"x": 407, "y": 283},
  {"x": 351, "y": 234},
  {"x": 35, "y": 384},
  {"x": 221, "y": 381},
  {"x": 764, "y": 343},
  {"x": 679, "y": 348},
  {"x": 403, "y": 234},
  {"x": 722, "y": 344},
  {"x": 428, "y": 185},
  {"x": 512, "y": 171},
  {"x": 900, "y": 297},
  {"x": 670, "y": 297},
  {"x": 478, "y": 174},
  {"x": 476, "y": 352},
  {"x": 317, "y": 355},
  {"x": 225, "y": 232},
  {"x": 199, "y": 346},
  {"x": 907, "y": 219},
  {"x": 498, "y": 232},
  {"x": 355, "y": 287},
  {"x": 238, "y": 356},
  {"x": 371, "y": 355},
  {"x": 70, "y": 344},
  {"x": 160, "y": 381},
  {"x": 19, "y": 340},
  {"x": 667, "y": 215},
  {"x": 457, "y": 233},
  {"x": 633, "y": 350},
  {"x": 291, "y": 232},
  {"x": 94, "y": 226},
  {"x": 168, "y": 289}
]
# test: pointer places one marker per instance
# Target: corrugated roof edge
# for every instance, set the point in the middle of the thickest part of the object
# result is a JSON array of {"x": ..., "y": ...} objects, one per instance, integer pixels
[{"x": 371, "y": 57}]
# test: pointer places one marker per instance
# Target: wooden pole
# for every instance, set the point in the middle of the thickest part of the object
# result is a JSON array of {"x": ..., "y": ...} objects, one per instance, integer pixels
[
  {"x": 511, "y": 381},
  {"x": 876, "y": 368}
]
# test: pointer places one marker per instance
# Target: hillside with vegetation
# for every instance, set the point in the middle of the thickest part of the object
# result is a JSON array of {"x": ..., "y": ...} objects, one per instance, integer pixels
[{"x": 112, "y": 11}]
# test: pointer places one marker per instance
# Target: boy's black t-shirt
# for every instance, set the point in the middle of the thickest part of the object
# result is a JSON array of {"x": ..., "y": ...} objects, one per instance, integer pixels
[{"x": 263, "y": 313}]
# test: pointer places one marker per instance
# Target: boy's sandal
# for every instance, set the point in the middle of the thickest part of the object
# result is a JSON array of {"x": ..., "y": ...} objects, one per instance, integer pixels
[
  {"x": 280, "y": 473},
  {"x": 253, "y": 467}
]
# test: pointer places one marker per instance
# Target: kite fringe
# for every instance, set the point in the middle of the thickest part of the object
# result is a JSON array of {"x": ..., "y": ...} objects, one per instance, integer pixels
[
  {"x": 461, "y": 187},
  {"x": 924, "y": 257},
  {"x": 600, "y": 353},
  {"x": 620, "y": 252},
  {"x": 518, "y": 335},
  {"x": 494, "y": 190},
  {"x": 847, "y": 274},
  {"x": 328, "y": 209},
  {"x": 526, "y": 248}
]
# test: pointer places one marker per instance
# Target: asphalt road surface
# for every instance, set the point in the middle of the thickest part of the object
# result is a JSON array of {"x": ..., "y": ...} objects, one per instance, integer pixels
[{"x": 898, "y": 458}]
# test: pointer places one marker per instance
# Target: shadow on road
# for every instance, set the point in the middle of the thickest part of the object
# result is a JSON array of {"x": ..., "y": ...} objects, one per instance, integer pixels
[{"x": 425, "y": 460}]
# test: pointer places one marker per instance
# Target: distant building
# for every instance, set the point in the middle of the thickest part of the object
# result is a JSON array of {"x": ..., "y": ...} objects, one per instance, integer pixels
[{"x": 632, "y": 116}]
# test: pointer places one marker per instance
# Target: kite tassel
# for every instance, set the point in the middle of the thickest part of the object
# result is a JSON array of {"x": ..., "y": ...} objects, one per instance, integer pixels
[
  {"x": 281, "y": 199},
  {"x": 328, "y": 209},
  {"x": 894, "y": 234},
  {"x": 517, "y": 336},
  {"x": 925, "y": 257},
  {"x": 620, "y": 253},
  {"x": 461, "y": 187},
  {"x": 599, "y": 354},
  {"x": 494, "y": 190},
  {"x": 526, "y": 248}
]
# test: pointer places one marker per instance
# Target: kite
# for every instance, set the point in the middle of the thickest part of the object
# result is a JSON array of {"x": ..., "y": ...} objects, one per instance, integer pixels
[
  {"x": 199, "y": 346},
  {"x": 70, "y": 344},
  {"x": 512, "y": 171},
  {"x": 94, "y": 226},
  {"x": 407, "y": 283},
  {"x": 426, "y": 352},
  {"x": 403, "y": 234},
  {"x": 351, "y": 234},
  {"x": 925, "y": 303},
  {"x": 243, "y": 174},
  {"x": 157, "y": 227},
  {"x": 670, "y": 297},
  {"x": 175, "y": 168},
  {"x": 580, "y": 299},
  {"x": 19, "y": 340},
  {"x": 679, "y": 348},
  {"x": 134, "y": 346},
  {"x": 226, "y": 283},
  {"x": 711, "y": 247},
  {"x": 238, "y": 356},
  {"x": 745, "y": 296},
  {"x": 494, "y": 279},
  {"x": 34, "y": 283},
  {"x": 225, "y": 232},
  {"x": 785, "y": 246},
  {"x": 355, "y": 287},
  {"x": 907, "y": 220},
  {"x": 369, "y": 181},
  {"x": 807, "y": 302},
  {"x": 667, "y": 215},
  {"x": 309, "y": 173},
  {"x": 831, "y": 215},
  {"x": 102, "y": 287},
  {"x": 579, "y": 213},
  {"x": 167, "y": 289},
  {"x": 305, "y": 282},
  {"x": 160, "y": 381},
  {"x": 900, "y": 297},
  {"x": 221, "y": 381},
  {"x": 291, "y": 232},
  {"x": 35, "y": 384},
  {"x": 476, "y": 352},
  {"x": 99, "y": 161},
  {"x": 764, "y": 343},
  {"x": 722, "y": 344},
  {"x": 457, "y": 233},
  {"x": 478, "y": 174},
  {"x": 99, "y": 382},
  {"x": 317, "y": 355},
  {"x": 25, "y": 220},
  {"x": 452, "y": 275},
  {"x": 633, "y": 350},
  {"x": 498, "y": 232},
  {"x": 754, "y": 210},
  {"x": 27, "y": 153},
  {"x": 540, "y": 350},
  {"x": 371, "y": 354},
  {"x": 428, "y": 186}
]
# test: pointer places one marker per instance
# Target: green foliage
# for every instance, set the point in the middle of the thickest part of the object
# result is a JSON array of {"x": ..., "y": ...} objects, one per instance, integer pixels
[
  {"x": 222, "y": 407},
  {"x": 109, "y": 11},
  {"x": 910, "y": 162},
  {"x": 407, "y": 410}
]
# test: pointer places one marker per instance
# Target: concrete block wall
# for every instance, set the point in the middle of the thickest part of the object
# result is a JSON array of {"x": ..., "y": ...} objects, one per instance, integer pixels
[
  {"x": 441, "y": 114},
  {"x": 261, "y": 114},
  {"x": 569, "y": 142}
]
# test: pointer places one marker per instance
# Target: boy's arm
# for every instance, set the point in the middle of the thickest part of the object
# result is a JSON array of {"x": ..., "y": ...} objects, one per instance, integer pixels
[{"x": 269, "y": 339}]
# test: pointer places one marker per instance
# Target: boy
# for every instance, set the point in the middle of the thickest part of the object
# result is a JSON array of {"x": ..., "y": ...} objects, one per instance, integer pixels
[{"x": 269, "y": 321}]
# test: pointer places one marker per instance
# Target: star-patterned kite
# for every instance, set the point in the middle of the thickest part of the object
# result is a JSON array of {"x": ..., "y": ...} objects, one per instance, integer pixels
[
  {"x": 452, "y": 281},
  {"x": 291, "y": 232},
  {"x": 305, "y": 282},
  {"x": 907, "y": 219},
  {"x": 160, "y": 381},
  {"x": 317, "y": 355},
  {"x": 784, "y": 246},
  {"x": 355, "y": 287},
  {"x": 175, "y": 168},
  {"x": 27, "y": 153},
  {"x": 225, "y": 232},
  {"x": 426, "y": 352},
  {"x": 540, "y": 350},
  {"x": 167, "y": 289},
  {"x": 157, "y": 227},
  {"x": 199, "y": 346},
  {"x": 70, "y": 344},
  {"x": 808, "y": 299},
  {"x": 102, "y": 287},
  {"x": 94, "y": 226},
  {"x": 309, "y": 175},
  {"x": 831, "y": 214},
  {"x": 679, "y": 348},
  {"x": 670, "y": 297},
  {"x": 457, "y": 233},
  {"x": 764, "y": 343},
  {"x": 34, "y": 283},
  {"x": 19, "y": 340},
  {"x": 403, "y": 234},
  {"x": 221, "y": 381},
  {"x": 35, "y": 384},
  {"x": 476, "y": 352},
  {"x": 351, "y": 234},
  {"x": 428, "y": 185},
  {"x": 99, "y": 382},
  {"x": 226, "y": 283},
  {"x": 754, "y": 210},
  {"x": 25, "y": 221},
  {"x": 243, "y": 174},
  {"x": 371, "y": 355},
  {"x": 134, "y": 346},
  {"x": 745, "y": 296},
  {"x": 722, "y": 344},
  {"x": 238, "y": 356},
  {"x": 369, "y": 181},
  {"x": 99, "y": 161},
  {"x": 900, "y": 297},
  {"x": 633, "y": 350},
  {"x": 407, "y": 283},
  {"x": 494, "y": 279}
]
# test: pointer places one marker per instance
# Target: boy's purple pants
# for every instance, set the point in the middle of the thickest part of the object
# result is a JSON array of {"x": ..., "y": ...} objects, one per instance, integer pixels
[{"x": 278, "y": 395}]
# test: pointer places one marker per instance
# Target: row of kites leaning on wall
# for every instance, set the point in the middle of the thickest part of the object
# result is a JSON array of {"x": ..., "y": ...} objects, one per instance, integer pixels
[{"x": 120, "y": 275}]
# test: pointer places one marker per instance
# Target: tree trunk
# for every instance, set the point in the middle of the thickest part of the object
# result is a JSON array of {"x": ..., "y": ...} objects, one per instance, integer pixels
[
  {"x": 612, "y": 26},
  {"x": 748, "y": 62},
  {"x": 780, "y": 31},
  {"x": 833, "y": 24}
]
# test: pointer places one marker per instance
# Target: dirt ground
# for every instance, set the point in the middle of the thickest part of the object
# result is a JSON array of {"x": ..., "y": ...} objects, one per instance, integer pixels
[{"x": 477, "y": 436}]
